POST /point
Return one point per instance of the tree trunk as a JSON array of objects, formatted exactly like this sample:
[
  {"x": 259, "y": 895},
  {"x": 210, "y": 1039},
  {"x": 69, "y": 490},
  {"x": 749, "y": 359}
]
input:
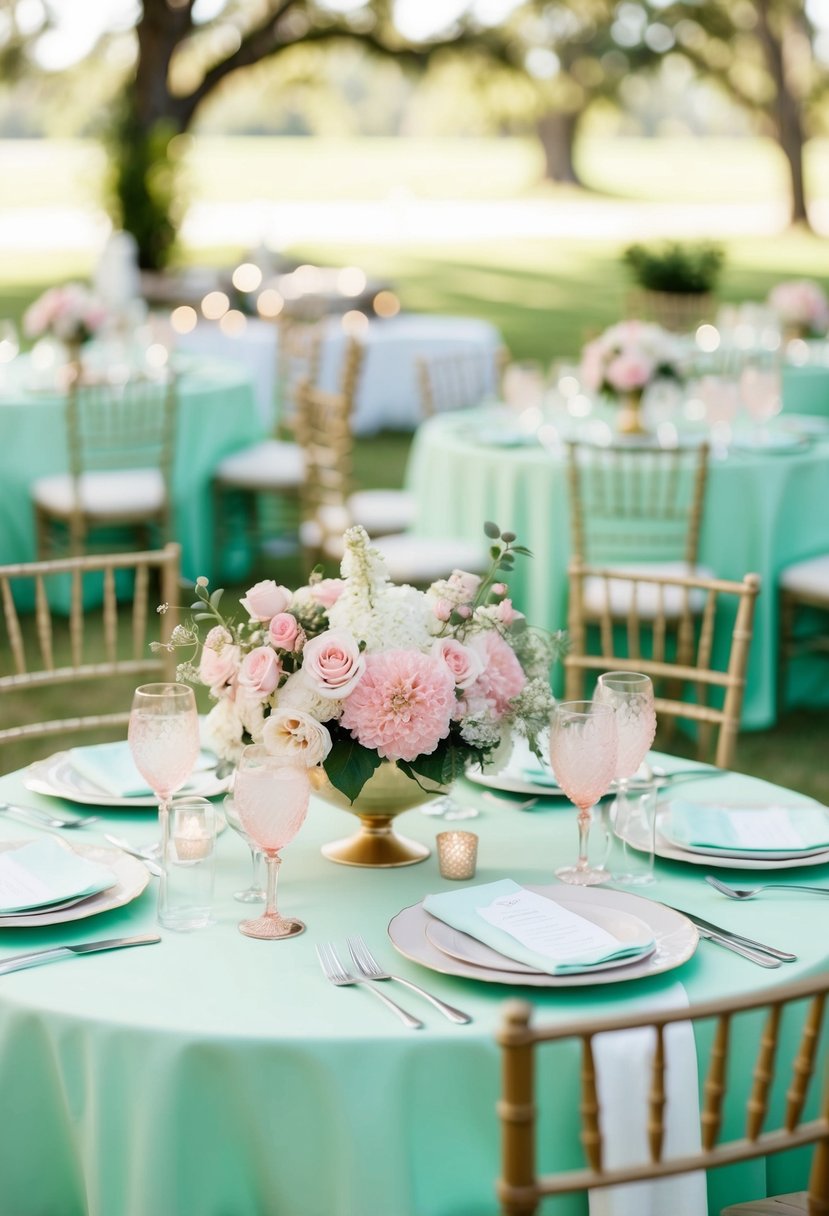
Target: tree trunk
[
  {"x": 557, "y": 131},
  {"x": 786, "y": 113}
]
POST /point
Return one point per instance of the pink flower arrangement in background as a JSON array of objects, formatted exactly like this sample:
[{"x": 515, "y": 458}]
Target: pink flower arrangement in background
[
  {"x": 628, "y": 357},
  {"x": 801, "y": 305},
  {"x": 347, "y": 673},
  {"x": 70, "y": 313}
]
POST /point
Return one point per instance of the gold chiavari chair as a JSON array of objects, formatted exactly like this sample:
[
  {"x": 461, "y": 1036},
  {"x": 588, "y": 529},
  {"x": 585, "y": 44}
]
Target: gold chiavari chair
[
  {"x": 120, "y": 443},
  {"x": 79, "y": 656},
  {"x": 669, "y": 633},
  {"x": 520, "y": 1186},
  {"x": 331, "y": 506},
  {"x": 459, "y": 379}
]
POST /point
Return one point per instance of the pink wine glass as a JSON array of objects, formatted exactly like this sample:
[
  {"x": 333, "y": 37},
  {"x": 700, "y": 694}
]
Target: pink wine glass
[
  {"x": 630, "y": 695},
  {"x": 583, "y": 746},
  {"x": 163, "y": 736},
  {"x": 271, "y": 798}
]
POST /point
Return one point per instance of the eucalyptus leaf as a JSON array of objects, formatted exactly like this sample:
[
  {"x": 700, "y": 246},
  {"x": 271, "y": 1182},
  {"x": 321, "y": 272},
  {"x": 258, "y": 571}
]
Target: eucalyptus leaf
[{"x": 491, "y": 530}]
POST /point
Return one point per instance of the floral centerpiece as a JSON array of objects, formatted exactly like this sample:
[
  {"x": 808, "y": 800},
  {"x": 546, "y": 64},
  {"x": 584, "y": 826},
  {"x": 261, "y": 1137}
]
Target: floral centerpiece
[
  {"x": 624, "y": 360},
  {"x": 802, "y": 307},
  {"x": 70, "y": 313},
  {"x": 348, "y": 674}
]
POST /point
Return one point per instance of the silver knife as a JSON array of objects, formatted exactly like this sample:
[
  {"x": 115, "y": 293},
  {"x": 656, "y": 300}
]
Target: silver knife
[
  {"x": 728, "y": 935},
  {"x": 762, "y": 958},
  {"x": 35, "y": 957}
]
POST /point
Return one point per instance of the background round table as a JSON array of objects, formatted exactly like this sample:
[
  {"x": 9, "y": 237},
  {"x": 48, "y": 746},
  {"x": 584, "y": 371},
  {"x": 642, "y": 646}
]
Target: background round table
[
  {"x": 213, "y": 1074},
  {"x": 763, "y": 510},
  {"x": 216, "y": 416}
]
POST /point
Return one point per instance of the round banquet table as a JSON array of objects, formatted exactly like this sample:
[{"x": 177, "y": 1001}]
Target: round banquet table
[
  {"x": 220, "y": 1076},
  {"x": 763, "y": 510},
  {"x": 216, "y": 416}
]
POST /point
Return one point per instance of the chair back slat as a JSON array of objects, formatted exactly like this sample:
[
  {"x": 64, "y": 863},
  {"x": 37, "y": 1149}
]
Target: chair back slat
[
  {"x": 658, "y": 636},
  {"x": 73, "y": 654},
  {"x": 43, "y": 620},
  {"x": 758, "y": 1103},
  {"x": 591, "y": 1136},
  {"x": 804, "y": 1063},
  {"x": 520, "y": 1187},
  {"x": 714, "y": 1090},
  {"x": 458, "y": 379},
  {"x": 656, "y": 1098}
]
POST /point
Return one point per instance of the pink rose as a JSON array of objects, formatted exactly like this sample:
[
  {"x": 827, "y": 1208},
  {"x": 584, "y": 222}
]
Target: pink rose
[
  {"x": 333, "y": 663},
  {"x": 502, "y": 677},
  {"x": 283, "y": 631},
  {"x": 265, "y": 600},
  {"x": 628, "y": 371},
  {"x": 463, "y": 662},
  {"x": 260, "y": 671},
  {"x": 506, "y": 614},
  {"x": 327, "y": 591},
  {"x": 220, "y": 660},
  {"x": 442, "y": 610},
  {"x": 499, "y": 588}
]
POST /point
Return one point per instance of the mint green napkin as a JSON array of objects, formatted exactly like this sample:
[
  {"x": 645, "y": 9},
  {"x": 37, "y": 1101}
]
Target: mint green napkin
[
  {"x": 111, "y": 768},
  {"x": 45, "y": 872},
  {"x": 756, "y": 829},
  {"x": 575, "y": 945}
]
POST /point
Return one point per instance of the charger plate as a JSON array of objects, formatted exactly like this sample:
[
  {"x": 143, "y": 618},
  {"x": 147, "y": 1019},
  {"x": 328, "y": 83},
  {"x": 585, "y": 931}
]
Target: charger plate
[
  {"x": 664, "y": 848},
  {"x": 675, "y": 936},
  {"x": 57, "y": 777},
  {"x": 131, "y": 876}
]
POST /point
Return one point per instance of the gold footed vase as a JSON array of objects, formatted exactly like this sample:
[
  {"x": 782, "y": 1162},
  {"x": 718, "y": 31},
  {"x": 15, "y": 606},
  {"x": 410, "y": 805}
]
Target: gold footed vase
[
  {"x": 387, "y": 793},
  {"x": 629, "y": 419}
]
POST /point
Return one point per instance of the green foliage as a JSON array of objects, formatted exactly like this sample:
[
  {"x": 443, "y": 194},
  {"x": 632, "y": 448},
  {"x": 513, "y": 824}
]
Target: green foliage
[
  {"x": 349, "y": 765},
  {"x": 143, "y": 185},
  {"x": 675, "y": 268}
]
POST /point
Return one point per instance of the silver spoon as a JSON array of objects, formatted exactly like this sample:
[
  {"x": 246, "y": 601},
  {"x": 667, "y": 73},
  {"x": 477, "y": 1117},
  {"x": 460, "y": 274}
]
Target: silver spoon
[
  {"x": 125, "y": 847},
  {"x": 748, "y": 892},
  {"x": 35, "y": 815}
]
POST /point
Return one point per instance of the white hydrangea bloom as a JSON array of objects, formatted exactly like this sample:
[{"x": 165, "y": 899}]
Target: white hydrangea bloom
[
  {"x": 397, "y": 618},
  {"x": 223, "y": 730},
  {"x": 299, "y": 693},
  {"x": 362, "y": 564},
  {"x": 481, "y": 730}
]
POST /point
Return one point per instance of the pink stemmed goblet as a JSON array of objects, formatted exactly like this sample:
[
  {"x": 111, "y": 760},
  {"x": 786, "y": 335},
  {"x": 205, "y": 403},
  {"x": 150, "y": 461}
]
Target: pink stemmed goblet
[
  {"x": 163, "y": 735},
  {"x": 629, "y": 694},
  {"x": 271, "y": 798},
  {"x": 583, "y": 745}
]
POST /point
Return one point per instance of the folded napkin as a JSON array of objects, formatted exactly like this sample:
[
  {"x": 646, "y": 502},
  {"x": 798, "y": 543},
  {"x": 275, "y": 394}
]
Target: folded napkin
[
  {"x": 530, "y": 928},
  {"x": 46, "y": 872},
  {"x": 111, "y": 768},
  {"x": 755, "y": 829}
]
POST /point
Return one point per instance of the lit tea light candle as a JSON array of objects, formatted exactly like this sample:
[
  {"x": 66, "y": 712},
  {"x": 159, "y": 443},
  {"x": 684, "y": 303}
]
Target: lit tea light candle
[
  {"x": 457, "y": 854},
  {"x": 192, "y": 839}
]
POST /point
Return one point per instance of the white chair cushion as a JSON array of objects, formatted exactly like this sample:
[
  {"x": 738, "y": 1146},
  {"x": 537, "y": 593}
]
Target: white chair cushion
[
  {"x": 382, "y": 511},
  {"x": 810, "y": 577},
  {"x": 421, "y": 560},
  {"x": 105, "y": 495},
  {"x": 647, "y": 594},
  {"x": 272, "y": 464}
]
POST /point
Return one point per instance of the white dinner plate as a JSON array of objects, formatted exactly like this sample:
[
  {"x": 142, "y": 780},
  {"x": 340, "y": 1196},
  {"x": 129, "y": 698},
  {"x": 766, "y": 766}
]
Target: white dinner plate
[
  {"x": 675, "y": 936},
  {"x": 673, "y": 852},
  {"x": 806, "y": 424},
  {"x": 770, "y": 441},
  {"x": 621, "y": 925},
  {"x": 517, "y": 776},
  {"x": 664, "y": 814},
  {"x": 57, "y": 777},
  {"x": 132, "y": 877}
]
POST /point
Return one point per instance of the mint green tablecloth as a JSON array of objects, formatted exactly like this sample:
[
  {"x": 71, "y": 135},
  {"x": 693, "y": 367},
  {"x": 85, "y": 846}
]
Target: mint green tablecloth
[
  {"x": 216, "y": 415},
  {"x": 214, "y": 1075},
  {"x": 762, "y": 512},
  {"x": 806, "y": 389}
]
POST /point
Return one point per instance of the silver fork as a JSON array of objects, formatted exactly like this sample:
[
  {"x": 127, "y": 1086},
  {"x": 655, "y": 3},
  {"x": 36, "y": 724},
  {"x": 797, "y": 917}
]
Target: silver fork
[
  {"x": 367, "y": 965},
  {"x": 748, "y": 892},
  {"x": 337, "y": 974},
  {"x": 35, "y": 815}
]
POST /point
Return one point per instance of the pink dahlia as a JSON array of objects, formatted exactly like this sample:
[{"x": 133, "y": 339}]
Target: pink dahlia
[
  {"x": 403, "y": 705},
  {"x": 503, "y": 676}
]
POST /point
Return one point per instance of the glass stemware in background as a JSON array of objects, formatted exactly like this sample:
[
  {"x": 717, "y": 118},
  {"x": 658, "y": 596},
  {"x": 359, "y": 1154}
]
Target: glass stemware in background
[
  {"x": 9, "y": 348},
  {"x": 254, "y": 893},
  {"x": 629, "y": 694},
  {"x": 720, "y": 397},
  {"x": 583, "y": 745},
  {"x": 164, "y": 740},
  {"x": 271, "y": 798},
  {"x": 524, "y": 384},
  {"x": 761, "y": 393}
]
